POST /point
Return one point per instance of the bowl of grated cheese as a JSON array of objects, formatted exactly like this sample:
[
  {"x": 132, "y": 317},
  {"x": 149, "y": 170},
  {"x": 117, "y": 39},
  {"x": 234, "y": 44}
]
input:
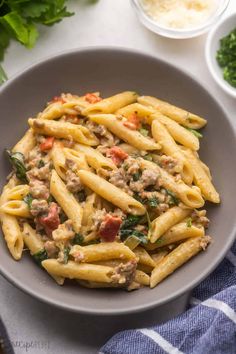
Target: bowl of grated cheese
[{"x": 179, "y": 18}]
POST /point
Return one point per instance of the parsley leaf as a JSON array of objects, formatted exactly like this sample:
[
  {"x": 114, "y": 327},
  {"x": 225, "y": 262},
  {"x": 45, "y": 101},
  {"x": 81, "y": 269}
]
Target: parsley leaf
[
  {"x": 173, "y": 199},
  {"x": 17, "y": 160}
]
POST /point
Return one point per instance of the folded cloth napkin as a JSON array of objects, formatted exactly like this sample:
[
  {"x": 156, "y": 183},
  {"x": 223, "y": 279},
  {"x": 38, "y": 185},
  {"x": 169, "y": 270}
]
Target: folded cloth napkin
[
  {"x": 207, "y": 327},
  {"x": 5, "y": 344}
]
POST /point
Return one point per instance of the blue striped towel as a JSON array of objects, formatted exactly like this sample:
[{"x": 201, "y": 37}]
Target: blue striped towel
[{"x": 207, "y": 327}]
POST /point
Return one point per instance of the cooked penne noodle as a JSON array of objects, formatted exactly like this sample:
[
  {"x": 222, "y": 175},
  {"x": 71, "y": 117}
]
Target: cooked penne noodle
[
  {"x": 189, "y": 196},
  {"x": 143, "y": 257},
  {"x": 26, "y": 144},
  {"x": 157, "y": 257},
  {"x": 177, "y": 257},
  {"x": 17, "y": 192},
  {"x": 166, "y": 220},
  {"x": 111, "y": 193},
  {"x": 73, "y": 270},
  {"x": 78, "y": 158},
  {"x": 10, "y": 226},
  {"x": 94, "y": 158},
  {"x": 111, "y": 104},
  {"x": 132, "y": 137},
  {"x": 180, "y": 115},
  {"x": 16, "y": 208},
  {"x": 102, "y": 251},
  {"x": 31, "y": 239},
  {"x": 142, "y": 278},
  {"x": 66, "y": 200},
  {"x": 201, "y": 178},
  {"x": 59, "y": 160},
  {"x": 65, "y": 130},
  {"x": 170, "y": 148},
  {"x": 54, "y": 110},
  {"x": 178, "y": 233}
]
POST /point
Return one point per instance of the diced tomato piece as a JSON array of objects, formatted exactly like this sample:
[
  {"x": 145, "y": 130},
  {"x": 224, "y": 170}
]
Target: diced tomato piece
[
  {"x": 110, "y": 227},
  {"x": 52, "y": 220},
  {"x": 57, "y": 99},
  {"x": 92, "y": 98},
  {"x": 117, "y": 155},
  {"x": 133, "y": 122},
  {"x": 47, "y": 144}
]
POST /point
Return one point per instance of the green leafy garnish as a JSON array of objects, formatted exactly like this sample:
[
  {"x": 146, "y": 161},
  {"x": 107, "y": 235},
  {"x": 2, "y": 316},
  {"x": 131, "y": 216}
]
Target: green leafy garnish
[
  {"x": 153, "y": 202},
  {"x": 81, "y": 196},
  {"x": 124, "y": 234},
  {"x": 66, "y": 252},
  {"x": 136, "y": 176},
  {"x": 18, "y": 163},
  {"x": 40, "y": 256},
  {"x": 62, "y": 217},
  {"x": 93, "y": 242},
  {"x": 130, "y": 221},
  {"x": 28, "y": 200},
  {"x": 148, "y": 157},
  {"x": 189, "y": 222},
  {"x": 144, "y": 131},
  {"x": 195, "y": 132},
  {"x": 138, "y": 198},
  {"x": 226, "y": 57},
  {"x": 41, "y": 163},
  {"x": 173, "y": 199},
  {"x": 78, "y": 239},
  {"x": 51, "y": 199}
]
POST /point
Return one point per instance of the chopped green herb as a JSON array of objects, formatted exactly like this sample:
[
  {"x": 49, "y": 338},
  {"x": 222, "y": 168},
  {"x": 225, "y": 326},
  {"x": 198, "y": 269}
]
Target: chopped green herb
[
  {"x": 41, "y": 163},
  {"x": 226, "y": 57},
  {"x": 66, "y": 252},
  {"x": 92, "y": 242},
  {"x": 124, "y": 234},
  {"x": 130, "y": 221},
  {"x": 136, "y": 176},
  {"x": 28, "y": 200},
  {"x": 50, "y": 199},
  {"x": 195, "y": 132},
  {"x": 144, "y": 131},
  {"x": 18, "y": 163},
  {"x": 148, "y": 157},
  {"x": 189, "y": 222},
  {"x": 40, "y": 256},
  {"x": 78, "y": 239},
  {"x": 173, "y": 199},
  {"x": 62, "y": 217},
  {"x": 153, "y": 202},
  {"x": 138, "y": 198},
  {"x": 159, "y": 241},
  {"x": 81, "y": 196}
]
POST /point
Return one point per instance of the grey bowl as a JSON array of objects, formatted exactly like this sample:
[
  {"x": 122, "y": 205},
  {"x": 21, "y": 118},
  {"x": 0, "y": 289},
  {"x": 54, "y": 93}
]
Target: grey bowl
[{"x": 112, "y": 70}]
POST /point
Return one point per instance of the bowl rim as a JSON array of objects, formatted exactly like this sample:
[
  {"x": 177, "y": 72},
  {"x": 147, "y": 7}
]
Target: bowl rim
[
  {"x": 210, "y": 57},
  {"x": 189, "y": 286},
  {"x": 178, "y": 33}
]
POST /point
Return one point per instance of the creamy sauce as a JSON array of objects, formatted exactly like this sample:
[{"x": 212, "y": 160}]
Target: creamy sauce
[{"x": 179, "y": 14}]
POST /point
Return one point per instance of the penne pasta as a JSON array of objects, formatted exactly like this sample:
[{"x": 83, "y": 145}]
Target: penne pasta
[
  {"x": 132, "y": 137},
  {"x": 31, "y": 239},
  {"x": 16, "y": 208},
  {"x": 143, "y": 257},
  {"x": 111, "y": 193},
  {"x": 180, "y": 115},
  {"x": 170, "y": 148},
  {"x": 111, "y": 104},
  {"x": 64, "y": 130},
  {"x": 26, "y": 144},
  {"x": 166, "y": 220},
  {"x": 101, "y": 252},
  {"x": 66, "y": 200},
  {"x": 177, "y": 257}
]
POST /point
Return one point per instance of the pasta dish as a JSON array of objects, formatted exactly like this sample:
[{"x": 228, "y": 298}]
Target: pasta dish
[{"x": 108, "y": 192}]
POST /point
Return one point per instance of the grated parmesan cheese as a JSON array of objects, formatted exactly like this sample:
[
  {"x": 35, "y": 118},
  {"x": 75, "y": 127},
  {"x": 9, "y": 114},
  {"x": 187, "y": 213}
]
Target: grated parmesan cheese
[{"x": 179, "y": 13}]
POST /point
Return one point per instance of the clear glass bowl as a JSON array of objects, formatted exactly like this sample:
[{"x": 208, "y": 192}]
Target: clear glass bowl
[{"x": 175, "y": 32}]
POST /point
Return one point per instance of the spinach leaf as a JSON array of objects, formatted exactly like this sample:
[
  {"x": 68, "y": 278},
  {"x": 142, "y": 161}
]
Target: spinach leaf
[
  {"x": 153, "y": 202},
  {"x": 18, "y": 163},
  {"x": 78, "y": 239},
  {"x": 124, "y": 234},
  {"x": 130, "y": 221},
  {"x": 41, "y": 163},
  {"x": 40, "y": 256},
  {"x": 81, "y": 196},
  {"x": 136, "y": 176},
  {"x": 28, "y": 200},
  {"x": 173, "y": 199}
]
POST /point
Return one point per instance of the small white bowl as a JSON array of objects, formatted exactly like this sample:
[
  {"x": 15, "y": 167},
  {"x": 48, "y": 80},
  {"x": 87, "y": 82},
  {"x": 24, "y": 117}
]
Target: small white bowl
[
  {"x": 222, "y": 29},
  {"x": 175, "y": 32}
]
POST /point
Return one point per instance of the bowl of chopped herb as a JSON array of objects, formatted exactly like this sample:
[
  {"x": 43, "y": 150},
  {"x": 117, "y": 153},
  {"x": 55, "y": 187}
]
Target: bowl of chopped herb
[{"x": 221, "y": 54}]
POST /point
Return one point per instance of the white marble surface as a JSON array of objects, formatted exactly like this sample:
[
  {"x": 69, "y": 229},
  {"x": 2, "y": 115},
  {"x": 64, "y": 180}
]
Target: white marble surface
[{"x": 35, "y": 327}]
